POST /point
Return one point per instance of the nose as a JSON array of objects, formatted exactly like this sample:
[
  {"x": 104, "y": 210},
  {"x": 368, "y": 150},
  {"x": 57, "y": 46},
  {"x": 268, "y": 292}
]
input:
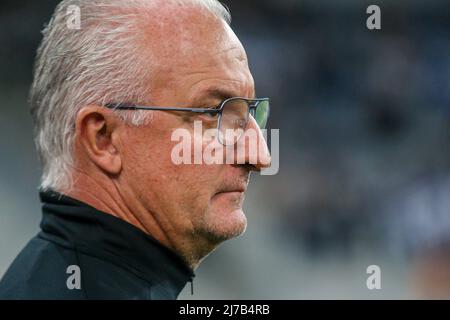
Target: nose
[{"x": 252, "y": 147}]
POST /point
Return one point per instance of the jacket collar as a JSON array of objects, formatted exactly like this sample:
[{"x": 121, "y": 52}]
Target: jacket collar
[{"x": 77, "y": 225}]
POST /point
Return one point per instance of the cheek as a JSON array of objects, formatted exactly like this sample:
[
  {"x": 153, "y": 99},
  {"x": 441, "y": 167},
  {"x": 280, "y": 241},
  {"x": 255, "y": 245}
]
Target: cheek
[
  {"x": 181, "y": 186},
  {"x": 164, "y": 186},
  {"x": 196, "y": 184}
]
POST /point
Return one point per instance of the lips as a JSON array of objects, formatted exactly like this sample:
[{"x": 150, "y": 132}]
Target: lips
[
  {"x": 233, "y": 188},
  {"x": 236, "y": 183}
]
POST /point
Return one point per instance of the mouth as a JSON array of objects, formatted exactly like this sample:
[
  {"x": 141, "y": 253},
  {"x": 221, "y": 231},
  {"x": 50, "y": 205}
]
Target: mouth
[
  {"x": 237, "y": 185},
  {"x": 231, "y": 195},
  {"x": 233, "y": 189}
]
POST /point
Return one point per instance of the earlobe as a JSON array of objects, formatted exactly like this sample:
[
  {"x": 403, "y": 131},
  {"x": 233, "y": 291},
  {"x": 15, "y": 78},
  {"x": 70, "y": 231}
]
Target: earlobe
[{"x": 95, "y": 129}]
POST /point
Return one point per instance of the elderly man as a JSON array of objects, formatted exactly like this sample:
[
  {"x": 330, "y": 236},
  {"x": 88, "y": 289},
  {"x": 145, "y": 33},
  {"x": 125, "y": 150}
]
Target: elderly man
[{"x": 122, "y": 219}]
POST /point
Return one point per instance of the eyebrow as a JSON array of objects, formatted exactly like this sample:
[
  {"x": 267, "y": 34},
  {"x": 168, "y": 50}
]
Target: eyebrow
[{"x": 219, "y": 94}]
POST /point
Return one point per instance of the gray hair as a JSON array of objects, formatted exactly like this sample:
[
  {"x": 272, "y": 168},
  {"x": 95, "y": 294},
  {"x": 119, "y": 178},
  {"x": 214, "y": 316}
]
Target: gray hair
[{"x": 100, "y": 62}]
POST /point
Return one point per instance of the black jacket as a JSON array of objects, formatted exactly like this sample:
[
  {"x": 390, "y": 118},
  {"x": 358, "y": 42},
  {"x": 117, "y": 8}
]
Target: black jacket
[{"x": 115, "y": 260}]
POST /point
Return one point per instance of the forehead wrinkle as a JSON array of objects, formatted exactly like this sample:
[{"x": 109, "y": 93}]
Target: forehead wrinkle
[
  {"x": 220, "y": 92},
  {"x": 230, "y": 74}
]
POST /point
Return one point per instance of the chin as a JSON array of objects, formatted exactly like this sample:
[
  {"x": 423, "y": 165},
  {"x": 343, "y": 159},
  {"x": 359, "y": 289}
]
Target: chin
[{"x": 224, "y": 224}]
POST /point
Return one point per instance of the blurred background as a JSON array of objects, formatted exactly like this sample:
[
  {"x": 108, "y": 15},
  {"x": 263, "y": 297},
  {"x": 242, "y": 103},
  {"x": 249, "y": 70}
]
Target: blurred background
[{"x": 364, "y": 119}]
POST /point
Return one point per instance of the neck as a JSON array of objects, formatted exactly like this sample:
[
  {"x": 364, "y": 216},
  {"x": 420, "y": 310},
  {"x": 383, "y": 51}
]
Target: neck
[{"x": 110, "y": 199}]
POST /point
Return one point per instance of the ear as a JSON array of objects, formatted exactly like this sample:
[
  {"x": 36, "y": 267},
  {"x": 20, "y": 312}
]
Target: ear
[{"x": 97, "y": 131}]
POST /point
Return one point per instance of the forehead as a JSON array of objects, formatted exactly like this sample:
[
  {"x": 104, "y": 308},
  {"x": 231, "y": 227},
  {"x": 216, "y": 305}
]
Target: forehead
[{"x": 194, "y": 51}]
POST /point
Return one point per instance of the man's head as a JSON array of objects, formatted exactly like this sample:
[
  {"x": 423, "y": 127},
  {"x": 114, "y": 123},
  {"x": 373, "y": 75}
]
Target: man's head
[{"x": 145, "y": 52}]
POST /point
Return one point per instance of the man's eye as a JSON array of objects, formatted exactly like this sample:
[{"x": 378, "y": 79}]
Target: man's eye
[{"x": 211, "y": 115}]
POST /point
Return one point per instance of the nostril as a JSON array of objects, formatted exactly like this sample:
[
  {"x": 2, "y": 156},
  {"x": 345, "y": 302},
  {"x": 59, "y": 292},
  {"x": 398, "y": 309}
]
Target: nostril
[{"x": 248, "y": 167}]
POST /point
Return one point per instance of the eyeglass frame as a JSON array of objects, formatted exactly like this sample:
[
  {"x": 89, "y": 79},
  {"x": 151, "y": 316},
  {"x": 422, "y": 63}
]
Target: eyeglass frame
[{"x": 252, "y": 104}]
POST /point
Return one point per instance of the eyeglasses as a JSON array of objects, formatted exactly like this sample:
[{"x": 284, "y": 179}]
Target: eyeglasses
[{"x": 232, "y": 115}]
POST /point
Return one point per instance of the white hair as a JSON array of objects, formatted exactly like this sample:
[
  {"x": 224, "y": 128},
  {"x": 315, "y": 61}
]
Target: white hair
[{"x": 101, "y": 62}]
